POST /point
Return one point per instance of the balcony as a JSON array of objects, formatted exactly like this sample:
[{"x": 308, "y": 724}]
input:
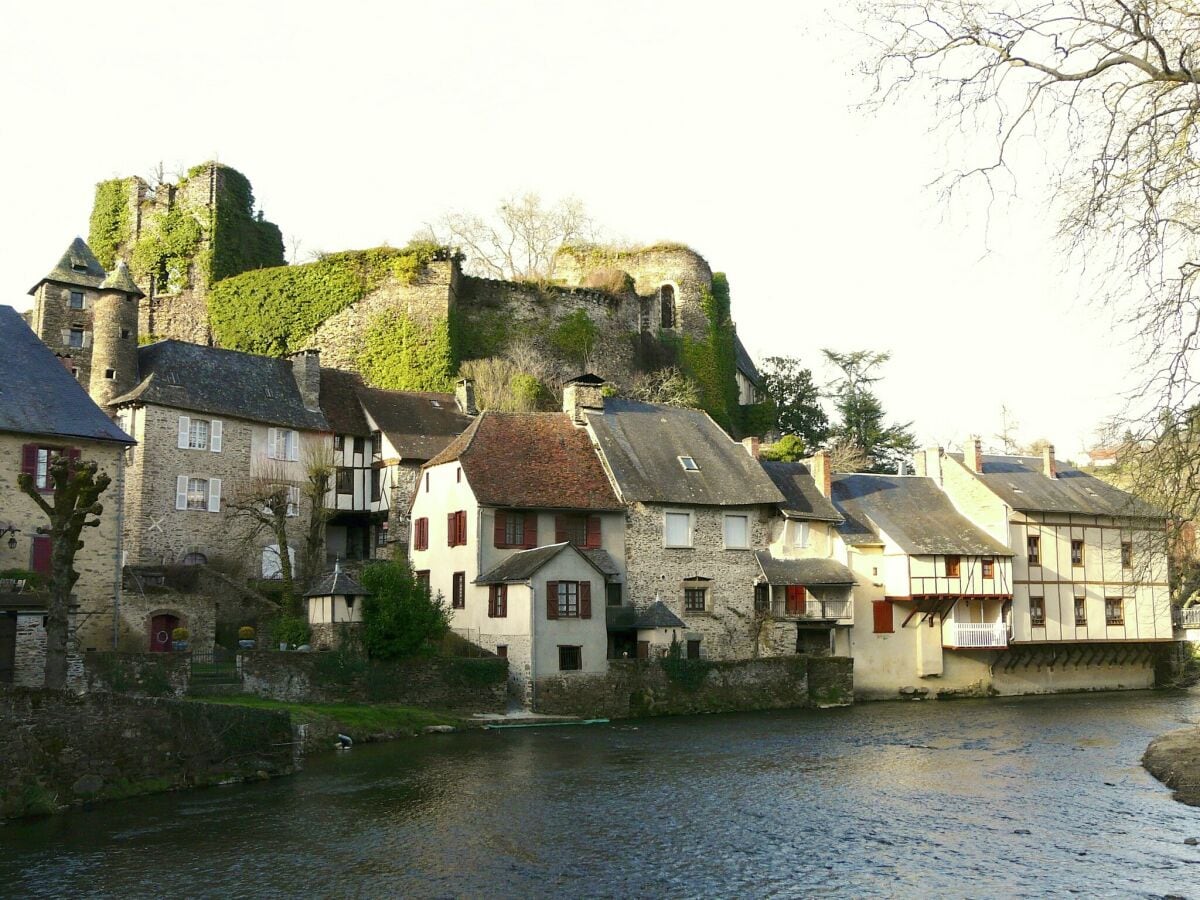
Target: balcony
[
  {"x": 981, "y": 635},
  {"x": 813, "y": 609},
  {"x": 1188, "y": 617}
]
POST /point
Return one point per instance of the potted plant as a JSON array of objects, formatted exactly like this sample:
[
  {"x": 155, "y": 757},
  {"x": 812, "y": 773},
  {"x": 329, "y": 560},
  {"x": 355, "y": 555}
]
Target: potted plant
[
  {"x": 246, "y": 637},
  {"x": 179, "y": 638}
]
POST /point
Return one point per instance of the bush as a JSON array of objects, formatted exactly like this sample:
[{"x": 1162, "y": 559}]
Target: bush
[
  {"x": 246, "y": 633},
  {"x": 291, "y": 630},
  {"x": 789, "y": 448},
  {"x": 179, "y": 634},
  {"x": 400, "y": 617},
  {"x": 33, "y": 581}
]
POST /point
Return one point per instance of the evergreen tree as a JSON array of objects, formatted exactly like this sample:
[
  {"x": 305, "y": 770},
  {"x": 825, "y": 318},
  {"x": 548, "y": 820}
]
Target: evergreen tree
[
  {"x": 862, "y": 419},
  {"x": 797, "y": 399}
]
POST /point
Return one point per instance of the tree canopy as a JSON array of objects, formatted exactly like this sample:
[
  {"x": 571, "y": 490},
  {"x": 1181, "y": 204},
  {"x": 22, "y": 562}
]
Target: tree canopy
[
  {"x": 797, "y": 399},
  {"x": 861, "y": 418}
]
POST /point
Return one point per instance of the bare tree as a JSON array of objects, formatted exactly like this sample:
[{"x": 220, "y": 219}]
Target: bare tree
[
  {"x": 1007, "y": 436},
  {"x": 319, "y": 469},
  {"x": 847, "y": 456},
  {"x": 265, "y": 503},
  {"x": 75, "y": 505},
  {"x": 667, "y": 386}
]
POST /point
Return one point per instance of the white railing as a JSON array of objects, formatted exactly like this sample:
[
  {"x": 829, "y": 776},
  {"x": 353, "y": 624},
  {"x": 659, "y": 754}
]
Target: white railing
[
  {"x": 976, "y": 634},
  {"x": 1189, "y": 617}
]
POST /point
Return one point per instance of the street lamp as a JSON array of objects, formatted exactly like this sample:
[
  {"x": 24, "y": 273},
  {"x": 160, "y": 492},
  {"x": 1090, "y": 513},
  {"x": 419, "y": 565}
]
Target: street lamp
[{"x": 12, "y": 531}]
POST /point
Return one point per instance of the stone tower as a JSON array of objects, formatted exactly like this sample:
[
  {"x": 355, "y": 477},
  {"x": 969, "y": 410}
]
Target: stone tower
[
  {"x": 64, "y": 304},
  {"x": 114, "y": 336}
]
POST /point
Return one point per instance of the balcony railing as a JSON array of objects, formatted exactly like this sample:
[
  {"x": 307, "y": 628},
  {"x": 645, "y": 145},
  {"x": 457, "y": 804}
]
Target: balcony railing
[
  {"x": 812, "y": 609},
  {"x": 1188, "y": 618},
  {"x": 979, "y": 634}
]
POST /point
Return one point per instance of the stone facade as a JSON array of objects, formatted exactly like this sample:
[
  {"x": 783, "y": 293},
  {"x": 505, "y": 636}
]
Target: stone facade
[
  {"x": 53, "y": 320},
  {"x": 29, "y": 668},
  {"x": 139, "y": 674}
]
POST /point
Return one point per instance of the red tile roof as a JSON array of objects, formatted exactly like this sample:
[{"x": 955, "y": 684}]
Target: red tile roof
[{"x": 531, "y": 461}]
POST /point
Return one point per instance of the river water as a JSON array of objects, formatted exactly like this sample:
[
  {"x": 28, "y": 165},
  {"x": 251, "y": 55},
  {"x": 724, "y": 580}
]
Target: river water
[{"x": 1022, "y": 797}]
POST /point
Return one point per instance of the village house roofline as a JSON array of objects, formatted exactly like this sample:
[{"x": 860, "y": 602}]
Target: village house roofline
[
  {"x": 635, "y": 617},
  {"x": 419, "y": 424},
  {"x": 522, "y": 566},
  {"x": 912, "y": 511},
  {"x": 811, "y": 572},
  {"x": 39, "y": 397},
  {"x": 802, "y": 499}
]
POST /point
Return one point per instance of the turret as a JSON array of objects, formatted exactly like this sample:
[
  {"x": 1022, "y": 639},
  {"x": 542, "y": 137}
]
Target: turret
[{"x": 114, "y": 336}]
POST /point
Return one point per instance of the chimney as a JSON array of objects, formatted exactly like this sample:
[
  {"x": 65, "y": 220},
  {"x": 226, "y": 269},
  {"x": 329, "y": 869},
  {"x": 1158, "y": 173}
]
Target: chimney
[
  {"x": 306, "y": 369},
  {"x": 818, "y": 467},
  {"x": 973, "y": 454},
  {"x": 928, "y": 463},
  {"x": 1048, "y": 467},
  {"x": 581, "y": 394},
  {"x": 752, "y": 445},
  {"x": 464, "y": 396}
]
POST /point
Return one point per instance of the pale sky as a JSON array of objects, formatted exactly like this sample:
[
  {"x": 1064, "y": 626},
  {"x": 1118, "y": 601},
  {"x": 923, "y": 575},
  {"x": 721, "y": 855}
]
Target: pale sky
[{"x": 729, "y": 127}]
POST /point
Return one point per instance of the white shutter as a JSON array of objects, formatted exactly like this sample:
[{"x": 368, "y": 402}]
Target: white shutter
[
  {"x": 214, "y": 436},
  {"x": 214, "y": 495},
  {"x": 293, "y": 446},
  {"x": 66, "y": 336},
  {"x": 271, "y": 445},
  {"x": 87, "y": 339},
  {"x": 293, "y": 500},
  {"x": 181, "y": 492},
  {"x": 184, "y": 425}
]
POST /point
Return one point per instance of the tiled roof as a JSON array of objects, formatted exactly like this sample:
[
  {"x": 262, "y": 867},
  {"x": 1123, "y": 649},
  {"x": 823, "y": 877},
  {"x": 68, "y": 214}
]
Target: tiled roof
[
  {"x": 745, "y": 364},
  {"x": 77, "y": 266},
  {"x": 524, "y": 565},
  {"x": 222, "y": 383},
  {"x": 802, "y": 500},
  {"x": 912, "y": 511},
  {"x": 1020, "y": 482},
  {"x": 643, "y": 442},
  {"x": 530, "y": 461},
  {"x": 37, "y": 393},
  {"x": 419, "y": 424},
  {"x": 602, "y": 561},
  {"x": 808, "y": 572}
]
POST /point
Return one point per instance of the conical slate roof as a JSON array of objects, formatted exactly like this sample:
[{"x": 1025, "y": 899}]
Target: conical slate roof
[
  {"x": 78, "y": 265},
  {"x": 119, "y": 279},
  {"x": 337, "y": 582}
]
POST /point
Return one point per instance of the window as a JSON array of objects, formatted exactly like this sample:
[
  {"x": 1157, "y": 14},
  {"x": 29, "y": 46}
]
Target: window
[
  {"x": 458, "y": 590},
  {"x": 1033, "y": 545},
  {"x": 376, "y": 445},
  {"x": 497, "y": 601},
  {"x": 570, "y": 659},
  {"x": 1080, "y": 610},
  {"x": 76, "y": 301},
  {"x": 666, "y": 296},
  {"x": 1077, "y": 553},
  {"x": 376, "y": 482},
  {"x": 677, "y": 529},
  {"x": 693, "y": 649},
  {"x": 737, "y": 532},
  {"x": 1126, "y": 554},
  {"x": 197, "y": 493},
  {"x": 800, "y": 533},
  {"x": 510, "y": 529},
  {"x": 283, "y": 443},
  {"x": 1037, "y": 611},
  {"x": 456, "y": 529},
  {"x": 110, "y": 374},
  {"x": 988, "y": 567},
  {"x": 458, "y": 475},
  {"x": 612, "y": 593},
  {"x": 421, "y": 534},
  {"x": 125, "y": 333},
  {"x": 881, "y": 611},
  {"x": 35, "y": 461},
  {"x": 198, "y": 434},
  {"x": 582, "y": 531},
  {"x": 195, "y": 559},
  {"x": 272, "y": 561},
  {"x": 344, "y": 481},
  {"x": 381, "y": 534},
  {"x": 502, "y": 651},
  {"x": 952, "y": 564},
  {"x": 422, "y": 576},
  {"x": 358, "y": 445},
  {"x": 293, "y": 500},
  {"x": 568, "y": 599},
  {"x": 427, "y": 482},
  {"x": 695, "y": 599},
  {"x": 689, "y": 464},
  {"x": 339, "y": 441},
  {"x": 1114, "y": 611},
  {"x": 75, "y": 337}
]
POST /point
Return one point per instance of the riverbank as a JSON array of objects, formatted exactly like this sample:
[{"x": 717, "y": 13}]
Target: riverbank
[{"x": 1174, "y": 759}]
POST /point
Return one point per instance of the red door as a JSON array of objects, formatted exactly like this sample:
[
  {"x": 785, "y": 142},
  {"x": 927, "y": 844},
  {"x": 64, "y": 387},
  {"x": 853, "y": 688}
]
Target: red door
[
  {"x": 161, "y": 627},
  {"x": 41, "y": 554},
  {"x": 796, "y": 599}
]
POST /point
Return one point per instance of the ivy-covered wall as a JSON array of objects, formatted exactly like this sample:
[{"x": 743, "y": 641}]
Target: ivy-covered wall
[
  {"x": 712, "y": 360},
  {"x": 111, "y": 223}
]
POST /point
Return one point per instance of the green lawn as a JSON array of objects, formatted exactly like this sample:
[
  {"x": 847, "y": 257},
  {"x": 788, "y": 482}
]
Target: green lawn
[{"x": 360, "y": 717}]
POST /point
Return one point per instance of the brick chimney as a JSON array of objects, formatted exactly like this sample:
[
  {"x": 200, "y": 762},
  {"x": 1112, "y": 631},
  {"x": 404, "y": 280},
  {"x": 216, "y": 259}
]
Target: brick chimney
[
  {"x": 464, "y": 396},
  {"x": 822, "y": 474},
  {"x": 581, "y": 394},
  {"x": 1048, "y": 467},
  {"x": 973, "y": 454},
  {"x": 752, "y": 445},
  {"x": 306, "y": 369}
]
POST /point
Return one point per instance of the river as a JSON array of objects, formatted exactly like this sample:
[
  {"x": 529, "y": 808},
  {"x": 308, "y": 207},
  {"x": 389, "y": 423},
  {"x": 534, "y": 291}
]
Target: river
[{"x": 1020, "y": 797}]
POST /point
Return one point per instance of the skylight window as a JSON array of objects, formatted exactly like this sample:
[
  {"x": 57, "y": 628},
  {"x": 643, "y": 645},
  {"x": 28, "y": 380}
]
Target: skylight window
[{"x": 689, "y": 464}]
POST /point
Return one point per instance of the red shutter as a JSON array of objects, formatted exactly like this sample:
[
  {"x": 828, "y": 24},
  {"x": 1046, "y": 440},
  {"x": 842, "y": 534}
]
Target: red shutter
[
  {"x": 451, "y": 528},
  {"x": 530, "y": 537},
  {"x": 462, "y": 527},
  {"x": 585, "y": 599},
  {"x": 421, "y": 537},
  {"x": 593, "y": 532},
  {"x": 491, "y": 601},
  {"x": 40, "y": 562},
  {"x": 29, "y": 460},
  {"x": 498, "y": 531},
  {"x": 882, "y": 611},
  {"x": 560, "y": 530},
  {"x": 73, "y": 454},
  {"x": 551, "y": 599}
]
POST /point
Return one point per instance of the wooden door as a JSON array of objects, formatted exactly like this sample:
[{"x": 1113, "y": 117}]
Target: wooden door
[
  {"x": 8, "y": 647},
  {"x": 40, "y": 560},
  {"x": 797, "y": 599},
  {"x": 643, "y": 649},
  {"x": 161, "y": 627}
]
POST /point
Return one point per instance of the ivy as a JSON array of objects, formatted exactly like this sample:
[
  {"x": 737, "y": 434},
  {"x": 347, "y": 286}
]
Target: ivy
[
  {"x": 109, "y": 227},
  {"x": 575, "y": 337},
  {"x": 712, "y": 360},
  {"x": 166, "y": 249},
  {"x": 402, "y": 355},
  {"x": 241, "y": 241}
]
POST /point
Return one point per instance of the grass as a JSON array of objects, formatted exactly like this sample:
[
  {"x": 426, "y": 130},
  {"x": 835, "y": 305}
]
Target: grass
[{"x": 353, "y": 717}]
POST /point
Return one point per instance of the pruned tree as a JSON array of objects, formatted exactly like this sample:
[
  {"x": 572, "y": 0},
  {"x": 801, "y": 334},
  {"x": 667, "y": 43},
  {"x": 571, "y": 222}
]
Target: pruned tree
[
  {"x": 1007, "y": 436},
  {"x": 847, "y": 456},
  {"x": 319, "y": 470},
  {"x": 73, "y": 506},
  {"x": 266, "y": 502}
]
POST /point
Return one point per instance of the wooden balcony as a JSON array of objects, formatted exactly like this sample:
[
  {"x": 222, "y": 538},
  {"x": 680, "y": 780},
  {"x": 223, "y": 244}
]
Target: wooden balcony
[{"x": 981, "y": 635}]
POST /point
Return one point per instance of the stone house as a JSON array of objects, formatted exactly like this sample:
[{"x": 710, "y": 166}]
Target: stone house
[
  {"x": 45, "y": 412},
  {"x": 516, "y": 525}
]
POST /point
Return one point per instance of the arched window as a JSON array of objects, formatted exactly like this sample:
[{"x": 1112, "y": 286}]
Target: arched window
[
  {"x": 195, "y": 559},
  {"x": 666, "y": 295}
]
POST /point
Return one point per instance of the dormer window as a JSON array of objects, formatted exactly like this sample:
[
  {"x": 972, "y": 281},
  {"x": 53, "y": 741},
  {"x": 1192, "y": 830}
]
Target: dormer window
[
  {"x": 79, "y": 267},
  {"x": 689, "y": 464}
]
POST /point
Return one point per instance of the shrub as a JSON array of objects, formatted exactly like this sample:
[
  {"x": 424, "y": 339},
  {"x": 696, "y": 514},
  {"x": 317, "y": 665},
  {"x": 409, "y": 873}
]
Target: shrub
[
  {"x": 179, "y": 634},
  {"x": 400, "y": 617},
  {"x": 575, "y": 337},
  {"x": 291, "y": 630},
  {"x": 246, "y": 633},
  {"x": 789, "y": 448}
]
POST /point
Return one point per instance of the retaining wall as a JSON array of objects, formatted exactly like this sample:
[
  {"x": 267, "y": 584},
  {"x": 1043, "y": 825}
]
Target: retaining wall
[{"x": 139, "y": 674}]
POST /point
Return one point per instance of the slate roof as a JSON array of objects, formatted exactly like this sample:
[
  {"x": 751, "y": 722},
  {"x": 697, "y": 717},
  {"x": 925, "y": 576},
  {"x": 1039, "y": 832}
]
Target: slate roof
[
  {"x": 339, "y": 403},
  {"x": 1019, "y": 482},
  {"x": 119, "y": 279},
  {"x": 418, "y": 424},
  {"x": 642, "y": 443},
  {"x": 802, "y": 500},
  {"x": 530, "y": 461},
  {"x": 808, "y": 572},
  {"x": 37, "y": 393},
  {"x": 912, "y": 511},
  {"x": 223, "y": 383},
  {"x": 524, "y": 565},
  {"x": 337, "y": 582},
  {"x": 745, "y": 364},
  {"x": 89, "y": 274},
  {"x": 656, "y": 615},
  {"x": 602, "y": 561}
]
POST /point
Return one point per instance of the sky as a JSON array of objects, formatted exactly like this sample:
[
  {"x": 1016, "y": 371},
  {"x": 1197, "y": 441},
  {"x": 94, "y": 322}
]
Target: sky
[{"x": 733, "y": 128}]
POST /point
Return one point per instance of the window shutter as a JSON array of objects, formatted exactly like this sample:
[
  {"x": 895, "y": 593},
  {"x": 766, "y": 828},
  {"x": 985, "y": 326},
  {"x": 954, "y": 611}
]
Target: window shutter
[
  {"x": 66, "y": 337},
  {"x": 40, "y": 560},
  {"x": 593, "y": 532},
  {"x": 462, "y": 528},
  {"x": 491, "y": 601},
  {"x": 530, "y": 536},
  {"x": 29, "y": 460},
  {"x": 73, "y": 454},
  {"x": 498, "y": 531},
  {"x": 271, "y": 432},
  {"x": 181, "y": 492},
  {"x": 293, "y": 446},
  {"x": 501, "y": 601},
  {"x": 585, "y": 599},
  {"x": 560, "y": 530},
  {"x": 184, "y": 425},
  {"x": 551, "y": 599},
  {"x": 882, "y": 614},
  {"x": 214, "y": 495},
  {"x": 214, "y": 436},
  {"x": 451, "y": 528},
  {"x": 87, "y": 339}
]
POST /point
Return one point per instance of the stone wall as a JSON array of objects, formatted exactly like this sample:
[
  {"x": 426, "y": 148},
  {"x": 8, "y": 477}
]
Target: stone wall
[
  {"x": 478, "y": 685},
  {"x": 139, "y": 674},
  {"x": 29, "y": 668},
  {"x": 61, "y": 749},
  {"x": 675, "y": 687}
]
